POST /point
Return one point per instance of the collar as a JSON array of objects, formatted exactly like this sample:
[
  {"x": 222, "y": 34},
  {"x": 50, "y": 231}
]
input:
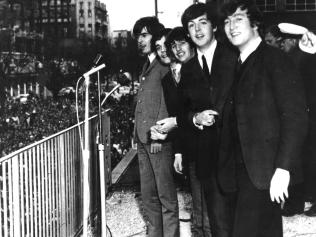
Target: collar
[
  {"x": 251, "y": 47},
  {"x": 209, "y": 54},
  {"x": 151, "y": 57},
  {"x": 176, "y": 66}
]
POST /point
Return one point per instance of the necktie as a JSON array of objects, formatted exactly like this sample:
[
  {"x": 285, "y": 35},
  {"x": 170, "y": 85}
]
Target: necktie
[
  {"x": 206, "y": 71},
  {"x": 238, "y": 66},
  {"x": 146, "y": 66}
]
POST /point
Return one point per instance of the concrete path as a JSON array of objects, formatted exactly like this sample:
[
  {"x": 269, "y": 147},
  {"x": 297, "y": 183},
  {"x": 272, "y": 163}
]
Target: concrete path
[{"x": 125, "y": 219}]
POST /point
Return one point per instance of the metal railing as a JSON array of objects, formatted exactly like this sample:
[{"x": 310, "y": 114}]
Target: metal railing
[
  {"x": 41, "y": 185},
  {"x": 24, "y": 88}
]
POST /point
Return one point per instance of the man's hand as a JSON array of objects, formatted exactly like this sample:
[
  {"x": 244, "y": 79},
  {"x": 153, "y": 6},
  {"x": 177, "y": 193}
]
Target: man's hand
[
  {"x": 155, "y": 147},
  {"x": 177, "y": 164},
  {"x": 308, "y": 42},
  {"x": 279, "y": 185},
  {"x": 205, "y": 118},
  {"x": 155, "y": 133},
  {"x": 167, "y": 124}
]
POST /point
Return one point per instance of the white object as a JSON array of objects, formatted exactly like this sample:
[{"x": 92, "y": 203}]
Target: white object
[
  {"x": 306, "y": 49},
  {"x": 93, "y": 70},
  {"x": 293, "y": 29}
]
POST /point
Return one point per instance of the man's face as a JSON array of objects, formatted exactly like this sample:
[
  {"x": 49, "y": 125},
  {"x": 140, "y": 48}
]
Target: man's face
[
  {"x": 182, "y": 50},
  {"x": 143, "y": 42},
  {"x": 238, "y": 29},
  {"x": 201, "y": 32},
  {"x": 162, "y": 50},
  {"x": 288, "y": 44},
  {"x": 272, "y": 40}
]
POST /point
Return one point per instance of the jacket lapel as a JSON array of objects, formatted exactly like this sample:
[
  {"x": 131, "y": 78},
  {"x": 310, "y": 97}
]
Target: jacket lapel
[{"x": 246, "y": 81}]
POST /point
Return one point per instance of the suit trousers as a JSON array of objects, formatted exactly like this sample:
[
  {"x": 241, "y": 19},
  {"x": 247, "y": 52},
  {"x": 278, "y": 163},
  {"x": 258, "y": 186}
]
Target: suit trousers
[
  {"x": 255, "y": 214},
  {"x": 200, "y": 222},
  {"x": 219, "y": 207},
  {"x": 158, "y": 191}
]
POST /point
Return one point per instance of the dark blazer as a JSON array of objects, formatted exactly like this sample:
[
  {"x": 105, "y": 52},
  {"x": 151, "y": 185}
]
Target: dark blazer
[
  {"x": 171, "y": 95},
  {"x": 150, "y": 105},
  {"x": 198, "y": 93},
  {"x": 271, "y": 114}
]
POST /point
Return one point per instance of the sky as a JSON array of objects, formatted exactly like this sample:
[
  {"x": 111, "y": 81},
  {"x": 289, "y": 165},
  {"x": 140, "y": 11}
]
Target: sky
[{"x": 124, "y": 13}]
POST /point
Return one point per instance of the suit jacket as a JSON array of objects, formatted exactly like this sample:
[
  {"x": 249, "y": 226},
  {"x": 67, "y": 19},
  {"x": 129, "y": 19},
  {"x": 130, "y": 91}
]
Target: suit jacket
[
  {"x": 150, "y": 106},
  {"x": 171, "y": 95},
  {"x": 271, "y": 115},
  {"x": 198, "y": 93}
]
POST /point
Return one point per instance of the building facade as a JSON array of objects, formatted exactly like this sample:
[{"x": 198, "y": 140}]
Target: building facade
[
  {"x": 56, "y": 19},
  {"x": 301, "y": 12}
]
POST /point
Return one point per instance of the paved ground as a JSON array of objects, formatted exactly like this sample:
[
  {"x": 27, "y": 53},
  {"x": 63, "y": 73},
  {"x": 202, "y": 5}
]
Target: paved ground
[{"x": 124, "y": 217}]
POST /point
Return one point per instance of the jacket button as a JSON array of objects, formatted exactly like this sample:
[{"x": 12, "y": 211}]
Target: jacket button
[{"x": 143, "y": 78}]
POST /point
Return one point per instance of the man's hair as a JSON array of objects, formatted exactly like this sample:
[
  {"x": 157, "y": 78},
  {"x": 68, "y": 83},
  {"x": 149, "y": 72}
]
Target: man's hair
[
  {"x": 197, "y": 10},
  {"x": 177, "y": 34},
  {"x": 153, "y": 26},
  {"x": 164, "y": 32},
  {"x": 254, "y": 14}
]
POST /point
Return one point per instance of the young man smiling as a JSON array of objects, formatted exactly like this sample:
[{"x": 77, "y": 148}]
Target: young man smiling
[
  {"x": 205, "y": 82},
  {"x": 264, "y": 127},
  {"x": 155, "y": 157}
]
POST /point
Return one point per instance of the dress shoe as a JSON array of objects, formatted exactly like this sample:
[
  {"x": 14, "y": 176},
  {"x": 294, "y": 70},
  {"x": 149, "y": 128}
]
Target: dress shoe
[
  {"x": 311, "y": 211},
  {"x": 287, "y": 212}
]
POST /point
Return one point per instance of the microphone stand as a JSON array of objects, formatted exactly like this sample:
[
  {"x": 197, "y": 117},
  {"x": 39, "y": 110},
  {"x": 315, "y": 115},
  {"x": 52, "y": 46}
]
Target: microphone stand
[
  {"x": 86, "y": 152},
  {"x": 101, "y": 164}
]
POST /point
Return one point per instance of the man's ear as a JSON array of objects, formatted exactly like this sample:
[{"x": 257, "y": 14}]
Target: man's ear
[{"x": 215, "y": 29}]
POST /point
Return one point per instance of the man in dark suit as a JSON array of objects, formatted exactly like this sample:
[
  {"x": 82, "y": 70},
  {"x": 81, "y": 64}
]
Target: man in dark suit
[
  {"x": 264, "y": 126},
  {"x": 155, "y": 158},
  {"x": 204, "y": 85},
  {"x": 305, "y": 63}
]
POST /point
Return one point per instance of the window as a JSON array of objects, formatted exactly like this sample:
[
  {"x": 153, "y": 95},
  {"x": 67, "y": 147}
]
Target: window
[
  {"x": 267, "y": 5},
  {"x": 300, "y": 5}
]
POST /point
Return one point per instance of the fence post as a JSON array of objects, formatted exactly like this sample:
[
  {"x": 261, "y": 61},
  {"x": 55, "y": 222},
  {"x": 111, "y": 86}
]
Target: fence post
[
  {"x": 62, "y": 187},
  {"x": 16, "y": 197}
]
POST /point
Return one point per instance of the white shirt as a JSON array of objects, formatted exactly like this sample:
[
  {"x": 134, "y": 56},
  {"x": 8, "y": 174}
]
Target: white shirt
[
  {"x": 175, "y": 69},
  {"x": 152, "y": 57},
  {"x": 208, "y": 54},
  {"x": 252, "y": 46}
]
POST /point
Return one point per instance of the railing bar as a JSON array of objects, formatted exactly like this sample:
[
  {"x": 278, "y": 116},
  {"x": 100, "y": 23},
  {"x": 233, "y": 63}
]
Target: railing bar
[
  {"x": 5, "y": 203},
  {"x": 31, "y": 167},
  {"x": 40, "y": 186},
  {"x": 71, "y": 204},
  {"x": 10, "y": 197},
  {"x": 62, "y": 188},
  {"x": 66, "y": 183},
  {"x": 22, "y": 171},
  {"x": 35, "y": 192},
  {"x": 46, "y": 197},
  {"x": 53, "y": 188},
  {"x": 57, "y": 188},
  {"x": 50, "y": 196},
  {"x": 70, "y": 209},
  {"x": 27, "y": 192},
  {"x": 1, "y": 196},
  {"x": 81, "y": 181}
]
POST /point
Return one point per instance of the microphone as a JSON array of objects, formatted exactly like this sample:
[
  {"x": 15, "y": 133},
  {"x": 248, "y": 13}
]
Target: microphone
[
  {"x": 96, "y": 60},
  {"x": 93, "y": 70}
]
